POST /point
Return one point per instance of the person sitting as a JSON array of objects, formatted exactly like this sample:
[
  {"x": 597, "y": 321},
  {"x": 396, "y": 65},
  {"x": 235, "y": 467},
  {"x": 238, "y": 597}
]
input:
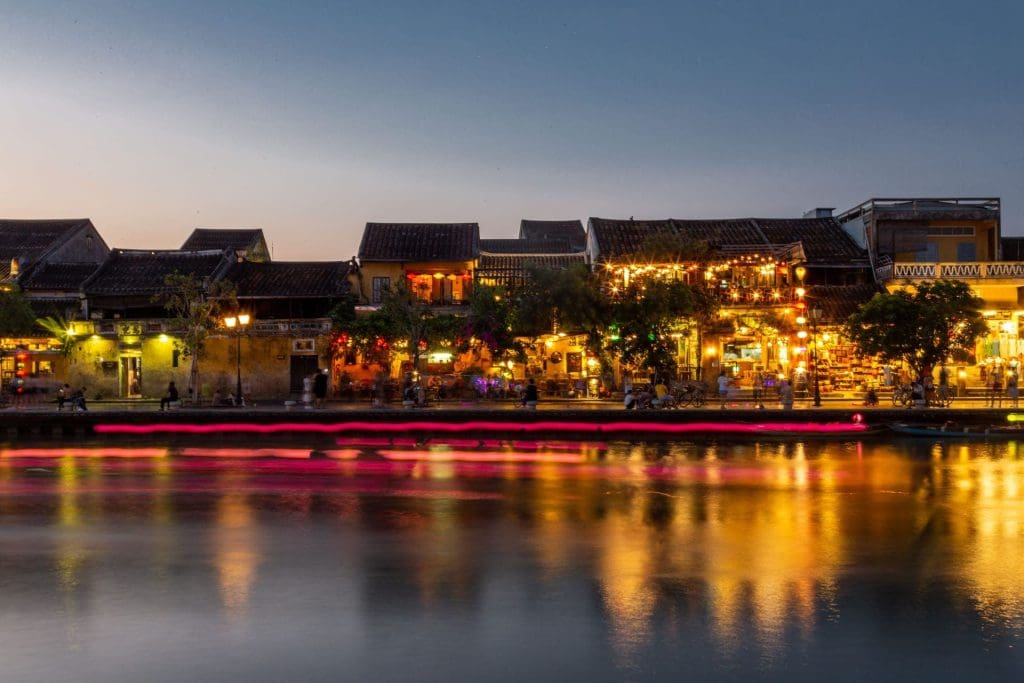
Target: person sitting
[
  {"x": 629, "y": 400},
  {"x": 871, "y": 398},
  {"x": 662, "y": 397},
  {"x": 170, "y": 398},
  {"x": 78, "y": 400}
]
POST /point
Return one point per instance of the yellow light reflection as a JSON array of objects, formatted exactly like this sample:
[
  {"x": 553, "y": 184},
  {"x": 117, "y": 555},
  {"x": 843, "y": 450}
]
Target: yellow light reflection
[{"x": 236, "y": 554}]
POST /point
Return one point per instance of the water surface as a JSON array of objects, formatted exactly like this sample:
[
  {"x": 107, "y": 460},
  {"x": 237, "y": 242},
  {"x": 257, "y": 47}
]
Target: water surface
[{"x": 465, "y": 560}]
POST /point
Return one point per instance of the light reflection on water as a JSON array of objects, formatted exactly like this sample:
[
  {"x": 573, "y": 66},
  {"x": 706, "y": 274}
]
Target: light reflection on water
[{"x": 513, "y": 560}]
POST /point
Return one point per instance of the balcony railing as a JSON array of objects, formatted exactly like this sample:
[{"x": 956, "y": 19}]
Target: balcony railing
[{"x": 991, "y": 270}]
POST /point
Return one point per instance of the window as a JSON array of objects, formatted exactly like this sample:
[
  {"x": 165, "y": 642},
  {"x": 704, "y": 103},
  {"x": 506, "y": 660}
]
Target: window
[
  {"x": 380, "y": 286},
  {"x": 175, "y": 358},
  {"x": 959, "y": 231}
]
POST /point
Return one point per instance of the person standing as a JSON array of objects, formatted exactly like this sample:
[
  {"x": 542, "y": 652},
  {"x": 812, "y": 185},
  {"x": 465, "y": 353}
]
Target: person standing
[
  {"x": 170, "y": 397},
  {"x": 997, "y": 390},
  {"x": 320, "y": 389},
  {"x": 531, "y": 395},
  {"x": 63, "y": 395},
  {"x": 1012, "y": 391},
  {"x": 629, "y": 400},
  {"x": 786, "y": 395},
  {"x": 723, "y": 388}
]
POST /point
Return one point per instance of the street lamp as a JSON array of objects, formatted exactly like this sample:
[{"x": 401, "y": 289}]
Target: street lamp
[
  {"x": 237, "y": 323},
  {"x": 815, "y": 316}
]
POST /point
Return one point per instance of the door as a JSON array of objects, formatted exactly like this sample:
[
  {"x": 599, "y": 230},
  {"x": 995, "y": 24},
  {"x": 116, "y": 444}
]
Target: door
[
  {"x": 301, "y": 367},
  {"x": 130, "y": 380}
]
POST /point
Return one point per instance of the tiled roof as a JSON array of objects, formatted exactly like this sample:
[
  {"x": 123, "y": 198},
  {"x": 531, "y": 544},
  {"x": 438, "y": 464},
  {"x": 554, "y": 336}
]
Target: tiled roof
[
  {"x": 618, "y": 238},
  {"x": 526, "y": 246},
  {"x": 289, "y": 279},
  {"x": 839, "y": 302},
  {"x": 822, "y": 239},
  {"x": 31, "y": 239},
  {"x": 134, "y": 273},
  {"x": 509, "y": 262},
  {"x": 236, "y": 239},
  {"x": 58, "y": 276},
  {"x": 406, "y": 242},
  {"x": 569, "y": 232}
]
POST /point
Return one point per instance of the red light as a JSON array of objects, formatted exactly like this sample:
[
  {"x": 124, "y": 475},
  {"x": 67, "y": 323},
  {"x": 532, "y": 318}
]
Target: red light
[
  {"x": 22, "y": 357},
  {"x": 486, "y": 426}
]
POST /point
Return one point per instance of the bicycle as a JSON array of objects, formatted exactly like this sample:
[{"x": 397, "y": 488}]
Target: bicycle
[
  {"x": 902, "y": 396},
  {"x": 942, "y": 397},
  {"x": 691, "y": 394}
]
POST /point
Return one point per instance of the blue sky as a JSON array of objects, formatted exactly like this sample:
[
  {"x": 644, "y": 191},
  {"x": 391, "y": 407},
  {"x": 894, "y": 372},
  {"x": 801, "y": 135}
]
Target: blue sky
[{"x": 310, "y": 119}]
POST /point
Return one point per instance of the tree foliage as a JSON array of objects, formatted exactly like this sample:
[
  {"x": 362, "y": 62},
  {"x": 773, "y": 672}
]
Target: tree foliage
[
  {"x": 490, "y": 320},
  {"x": 646, "y": 316},
  {"x": 564, "y": 299},
  {"x": 16, "y": 315},
  {"x": 920, "y": 328},
  {"x": 195, "y": 305},
  {"x": 403, "y": 320}
]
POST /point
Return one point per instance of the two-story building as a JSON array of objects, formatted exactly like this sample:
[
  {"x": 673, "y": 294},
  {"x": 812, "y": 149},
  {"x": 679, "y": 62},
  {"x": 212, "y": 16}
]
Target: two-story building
[
  {"x": 556, "y": 359},
  {"x": 914, "y": 240},
  {"x": 435, "y": 260},
  {"x": 48, "y": 260},
  {"x": 782, "y": 286}
]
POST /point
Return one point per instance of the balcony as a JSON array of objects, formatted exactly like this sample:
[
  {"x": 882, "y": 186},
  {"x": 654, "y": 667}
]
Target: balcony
[{"x": 986, "y": 271}]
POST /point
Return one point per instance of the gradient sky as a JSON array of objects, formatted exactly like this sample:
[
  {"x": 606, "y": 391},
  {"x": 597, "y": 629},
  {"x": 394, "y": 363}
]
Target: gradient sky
[{"x": 309, "y": 119}]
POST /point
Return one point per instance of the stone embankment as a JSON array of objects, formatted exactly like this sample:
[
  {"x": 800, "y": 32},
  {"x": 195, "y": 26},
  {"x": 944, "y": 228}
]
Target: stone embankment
[{"x": 550, "y": 422}]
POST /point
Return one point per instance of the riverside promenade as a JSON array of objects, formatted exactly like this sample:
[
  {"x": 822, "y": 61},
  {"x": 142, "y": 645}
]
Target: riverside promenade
[{"x": 273, "y": 420}]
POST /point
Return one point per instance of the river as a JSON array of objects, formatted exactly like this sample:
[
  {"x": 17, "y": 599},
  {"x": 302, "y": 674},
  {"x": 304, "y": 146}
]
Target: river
[{"x": 461, "y": 559}]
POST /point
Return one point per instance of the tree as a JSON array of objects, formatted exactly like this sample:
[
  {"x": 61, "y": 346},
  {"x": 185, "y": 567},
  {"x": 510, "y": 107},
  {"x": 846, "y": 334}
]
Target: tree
[
  {"x": 490, "y": 320},
  {"x": 17, "y": 318},
  {"x": 565, "y": 299},
  {"x": 195, "y": 304},
  {"x": 646, "y": 314},
  {"x": 921, "y": 328},
  {"x": 403, "y": 320}
]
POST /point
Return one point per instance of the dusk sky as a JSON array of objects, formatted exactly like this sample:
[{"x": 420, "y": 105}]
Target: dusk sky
[{"x": 309, "y": 119}]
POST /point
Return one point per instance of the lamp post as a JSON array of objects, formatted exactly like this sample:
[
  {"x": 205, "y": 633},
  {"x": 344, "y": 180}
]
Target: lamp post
[
  {"x": 237, "y": 324},
  {"x": 815, "y": 316}
]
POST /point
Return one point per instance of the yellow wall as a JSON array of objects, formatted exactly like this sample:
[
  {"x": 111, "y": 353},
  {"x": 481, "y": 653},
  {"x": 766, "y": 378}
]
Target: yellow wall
[
  {"x": 397, "y": 272},
  {"x": 265, "y": 365},
  {"x": 983, "y": 240}
]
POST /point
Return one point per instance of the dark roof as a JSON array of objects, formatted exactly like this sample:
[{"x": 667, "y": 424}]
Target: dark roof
[
  {"x": 134, "y": 273},
  {"x": 236, "y": 239},
  {"x": 509, "y": 262},
  {"x": 526, "y": 246},
  {"x": 569, "y": 232},
  {"x": 58, "y": 276},
  {"x": 406, "y": 242},
  {"x": 280, "y": 279},
  {"x": 30, "y": 240},
  {"x": 923, "y": 209},
  {"x": 821, "y": 239},
  {"x": 839, "y": 302}
]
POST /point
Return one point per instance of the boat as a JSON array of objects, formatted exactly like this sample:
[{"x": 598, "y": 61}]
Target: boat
[{"x": 951, "y": 430}]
